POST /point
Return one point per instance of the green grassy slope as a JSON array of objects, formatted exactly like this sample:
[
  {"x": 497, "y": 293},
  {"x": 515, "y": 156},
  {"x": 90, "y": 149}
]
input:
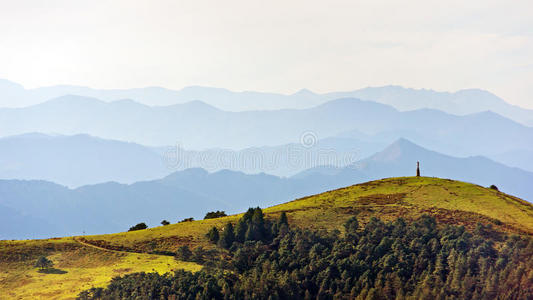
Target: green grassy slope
[{"x": 449, "y": 201}]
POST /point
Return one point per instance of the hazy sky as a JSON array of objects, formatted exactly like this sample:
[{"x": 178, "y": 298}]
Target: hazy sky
[{"x": 276, "y": 46}]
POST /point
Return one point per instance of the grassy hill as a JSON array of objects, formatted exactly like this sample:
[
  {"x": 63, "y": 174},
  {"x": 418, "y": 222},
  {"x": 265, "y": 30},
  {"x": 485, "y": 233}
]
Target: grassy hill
[{"x": 84, "y": 262}]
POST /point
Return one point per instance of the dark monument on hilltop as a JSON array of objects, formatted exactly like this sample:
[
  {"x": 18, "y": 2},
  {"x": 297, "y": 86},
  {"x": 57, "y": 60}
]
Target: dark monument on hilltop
[{"x": 417, "y": 169}]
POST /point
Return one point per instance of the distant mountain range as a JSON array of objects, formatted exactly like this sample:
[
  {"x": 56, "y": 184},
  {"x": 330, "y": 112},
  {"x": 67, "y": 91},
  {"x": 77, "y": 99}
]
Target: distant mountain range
[
  {"x": 197, "y": 125},
  {"x": 461, "y": 102},
  {"x": 82, "y": 159},
  {"x": 112, "y": 207}
]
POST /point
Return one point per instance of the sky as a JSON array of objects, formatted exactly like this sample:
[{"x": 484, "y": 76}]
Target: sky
[{"x": 271, "y": 46}]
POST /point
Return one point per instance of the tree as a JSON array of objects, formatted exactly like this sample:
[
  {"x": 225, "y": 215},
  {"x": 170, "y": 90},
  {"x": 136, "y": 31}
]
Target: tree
[
  {"x": 213, "y": 235},
  {"x": 184, "y": 253},
  {"x": 139, "y": 226},
  {"x": 43, "y": 263},
  {"x": 494, "y": 187},
  {"x": 227, "y": 237},
  {"x": 350, "y": 227},
  {"x": 240, "y": 230},
  {"x": 165, "y": 222},
  {"x": 283, "y": 219},
  {"x": 256, "y": 228}
]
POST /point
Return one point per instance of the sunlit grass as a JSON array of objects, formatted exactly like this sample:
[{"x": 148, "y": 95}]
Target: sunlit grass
[{"x": 82, "y": 269}]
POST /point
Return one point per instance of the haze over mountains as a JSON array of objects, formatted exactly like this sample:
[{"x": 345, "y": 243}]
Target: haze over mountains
[
  {"x": 482, "y": 133},
  {"x": 81, "y": 159},
  {"x": 77, "y": 160},
  {"x": 112, "y": 207},
  {"x": 461, "y": 102}
]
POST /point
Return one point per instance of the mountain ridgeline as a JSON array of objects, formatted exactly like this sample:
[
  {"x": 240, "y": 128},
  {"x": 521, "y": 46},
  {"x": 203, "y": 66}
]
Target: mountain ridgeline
[
  {"x": 481, "y": 133},
  {"x": 461, "y": 102}
]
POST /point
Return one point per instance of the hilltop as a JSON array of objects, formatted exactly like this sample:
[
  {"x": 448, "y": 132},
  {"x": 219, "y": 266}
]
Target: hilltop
[{"x": 93, "y": 260}]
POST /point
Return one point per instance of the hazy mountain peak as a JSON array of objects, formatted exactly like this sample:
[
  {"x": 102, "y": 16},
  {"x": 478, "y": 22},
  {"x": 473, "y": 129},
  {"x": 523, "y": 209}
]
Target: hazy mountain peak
[
  {"x": 197, "y": 106},
  {"x": 304, "y": 92},
  {"x": 343, "y": 101},
  {"x": 397, "y": 150},
  {"x": 188, "y": 173},
  {"x": 72, "y": 99},
  {"x": 29, "y": 135}
]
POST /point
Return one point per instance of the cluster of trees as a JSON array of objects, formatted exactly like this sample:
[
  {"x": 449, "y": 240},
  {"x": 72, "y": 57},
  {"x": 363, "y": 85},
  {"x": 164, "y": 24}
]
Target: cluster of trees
[
  {"x": 186, "y": 220},
  {"x": 215, "y": 214},
  {"x": 139, "y": 226},
  {"x": 393, "y": 260},
  {"x": 251, "y": 227}
]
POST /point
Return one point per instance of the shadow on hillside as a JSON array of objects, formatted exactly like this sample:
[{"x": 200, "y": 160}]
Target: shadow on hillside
[{"x": 52, "y": 271}]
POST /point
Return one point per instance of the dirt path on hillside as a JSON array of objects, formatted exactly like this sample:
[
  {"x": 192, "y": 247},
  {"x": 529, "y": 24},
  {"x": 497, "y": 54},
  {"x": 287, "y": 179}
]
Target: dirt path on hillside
[{"x": 98, "y": 247}]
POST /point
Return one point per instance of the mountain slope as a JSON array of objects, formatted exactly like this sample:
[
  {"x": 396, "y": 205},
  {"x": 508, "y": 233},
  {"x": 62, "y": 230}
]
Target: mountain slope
[
  {"x": 114, "y": 207},
  {"x": 518, "y": 158},
  {"x": 450, "y": 201}
]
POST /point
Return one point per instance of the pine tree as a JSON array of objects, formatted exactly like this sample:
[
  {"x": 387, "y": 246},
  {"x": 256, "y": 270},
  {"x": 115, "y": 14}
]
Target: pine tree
[
  {"x": 227, "y": 237},
  {"x": 350, "y": 227},
  {"x": 213, "y": 235},
  {"x": 283, "y": 219}
]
